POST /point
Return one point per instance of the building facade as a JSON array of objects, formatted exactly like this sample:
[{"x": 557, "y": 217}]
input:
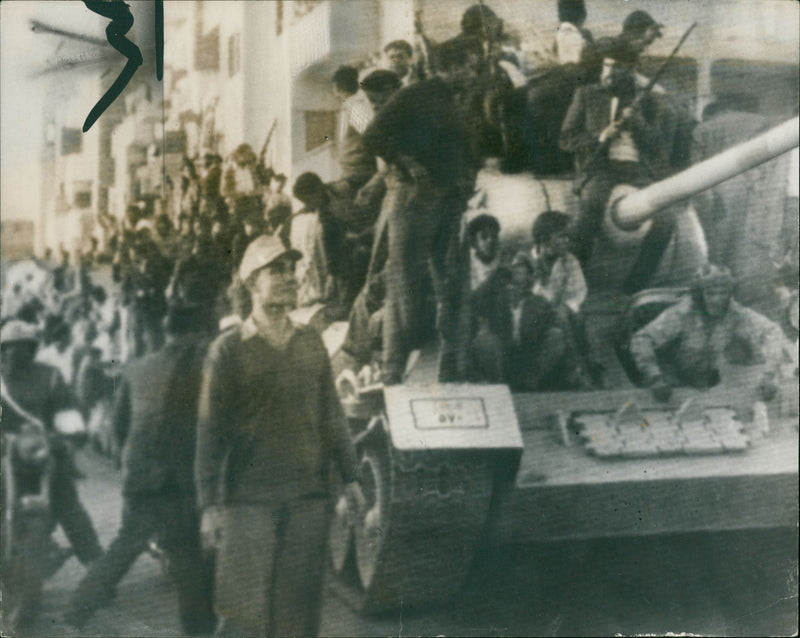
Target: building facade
[{"x": 240, "y": 71}]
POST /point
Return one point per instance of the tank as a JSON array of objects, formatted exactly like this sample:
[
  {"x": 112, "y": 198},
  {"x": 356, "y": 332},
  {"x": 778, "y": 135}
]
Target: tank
[{"x": 451, "y": 469}]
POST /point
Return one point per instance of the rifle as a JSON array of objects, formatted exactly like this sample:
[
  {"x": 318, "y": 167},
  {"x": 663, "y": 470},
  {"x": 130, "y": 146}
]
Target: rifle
[
  {"x": 601, "y": 150},
  {"x": 422, "y": 46},
  {"x": 263, "y": 152},
  {"x": 263, "y": 173}
]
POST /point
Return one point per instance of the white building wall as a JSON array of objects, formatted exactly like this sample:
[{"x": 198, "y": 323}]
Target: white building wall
[
  {"x": 71, "y": 226},
  {"x": 268, "y": 87},
  {"x": 396, "y": 21}
]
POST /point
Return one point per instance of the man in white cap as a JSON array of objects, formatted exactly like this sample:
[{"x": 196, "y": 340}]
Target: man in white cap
[{"x": 270, "y": 423}]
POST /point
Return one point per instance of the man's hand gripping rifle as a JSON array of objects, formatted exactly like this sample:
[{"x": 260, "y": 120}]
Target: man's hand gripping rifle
[{"x": 624, "y": 117}]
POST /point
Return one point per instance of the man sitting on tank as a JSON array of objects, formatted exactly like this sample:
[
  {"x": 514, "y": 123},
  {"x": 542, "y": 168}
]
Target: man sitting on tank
[
  {"x": 558, "y": 277},
  {"x": 519, "y": 341},
  {"x": 483, "y": 238},
  {"x": 689, "y": 343},
  {"x": 482, "y": 272}
]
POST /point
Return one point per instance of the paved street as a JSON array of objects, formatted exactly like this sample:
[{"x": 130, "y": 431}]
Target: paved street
[{"x": 732, "y": 584}]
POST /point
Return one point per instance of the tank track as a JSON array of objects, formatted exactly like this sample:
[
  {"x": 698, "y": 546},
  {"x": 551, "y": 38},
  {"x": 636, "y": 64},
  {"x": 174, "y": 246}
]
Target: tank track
[{"x": 430, "y": 527}]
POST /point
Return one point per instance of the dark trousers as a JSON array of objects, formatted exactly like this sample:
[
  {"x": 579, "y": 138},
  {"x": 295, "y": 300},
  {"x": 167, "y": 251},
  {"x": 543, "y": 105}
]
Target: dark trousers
[
  {"x": 422, "y": 229},
  {"x": 69, "y": 511},
  {"x": 270, "y": 568},
  {"x": 546, "y": 365},
  {"x": 174, "y": 520},
  {"x": 147, "y": 332},
  {"x": 594, "y": 199}
]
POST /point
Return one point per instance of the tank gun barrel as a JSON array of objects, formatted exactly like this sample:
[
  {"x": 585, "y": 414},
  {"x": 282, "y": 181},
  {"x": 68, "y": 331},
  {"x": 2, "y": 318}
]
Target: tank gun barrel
[{"x": 632, "y": 210}]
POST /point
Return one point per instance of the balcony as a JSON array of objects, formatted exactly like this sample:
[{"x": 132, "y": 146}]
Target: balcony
[{"x": 326, "y": 34}]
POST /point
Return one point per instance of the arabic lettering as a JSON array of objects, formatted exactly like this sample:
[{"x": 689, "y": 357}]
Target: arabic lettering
[{"x": 121, "y": 22}]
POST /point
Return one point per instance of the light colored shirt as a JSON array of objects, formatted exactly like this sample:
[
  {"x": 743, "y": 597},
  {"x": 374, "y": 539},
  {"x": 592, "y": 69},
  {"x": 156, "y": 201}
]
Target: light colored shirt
[
  {"x": 642, "y": 81},
  {"x": 480, "y": 271},
  {"x": 62, "y": 361},
  {"x": 243, "y": 178},
  {"x": 357, "y": 112},
  {"x": 565, "y": 285},
  {"x": 516, "y": 318},
  {"x": 569, "y": 43},
  {"x": 310, "y": 276},
  {"x": 622, "y": 148}
]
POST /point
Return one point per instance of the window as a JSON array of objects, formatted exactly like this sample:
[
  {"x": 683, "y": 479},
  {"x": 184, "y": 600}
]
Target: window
[
  {"x": 234, "y": 61},
  {"x": 320, "y": 128},
  {"x": 71, "y": 141},
  {"x": 82, "y": 194},
  {"x": 175, "y": 142},
  {"x": 766, "y": 88},
  {"x": 206, "y": 53}
]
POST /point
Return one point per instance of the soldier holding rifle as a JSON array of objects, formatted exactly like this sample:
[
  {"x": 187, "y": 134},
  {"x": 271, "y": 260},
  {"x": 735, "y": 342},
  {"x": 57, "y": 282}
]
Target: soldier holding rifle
[
  {"x": 610, "y": 137},
  {"x": 620, "y": 134}
]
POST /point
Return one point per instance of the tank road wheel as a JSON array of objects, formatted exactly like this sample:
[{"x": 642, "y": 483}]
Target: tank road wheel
[
  {"x": 375, "y": 477},
  {"x": 341, "y": 536},
  {"x": 426, "y": 511}
]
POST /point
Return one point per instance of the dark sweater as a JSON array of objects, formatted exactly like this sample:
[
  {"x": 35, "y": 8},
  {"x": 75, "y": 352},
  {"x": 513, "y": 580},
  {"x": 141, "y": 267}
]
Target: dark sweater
[
  {"x": 270, "y": 421},
  {"x": 422, "y": 122},
  {"x": 41, "y": 391},
  {"x": 155, "y": 414}
]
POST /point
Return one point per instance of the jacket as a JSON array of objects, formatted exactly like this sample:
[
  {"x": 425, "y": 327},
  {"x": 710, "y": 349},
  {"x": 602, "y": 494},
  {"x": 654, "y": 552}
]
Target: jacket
[
  {"x": 697, "y": 344},
  {"x": 590, "y": 112},
  {"x": 270, "y": 421},
  {"x": 155, "y": 417}
]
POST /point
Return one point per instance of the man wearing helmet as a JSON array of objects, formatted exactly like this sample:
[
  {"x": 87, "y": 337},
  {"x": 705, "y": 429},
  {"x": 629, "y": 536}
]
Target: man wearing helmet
[
  {"x": 688, "y": 343},
  {"x": 34, "y": 392}
]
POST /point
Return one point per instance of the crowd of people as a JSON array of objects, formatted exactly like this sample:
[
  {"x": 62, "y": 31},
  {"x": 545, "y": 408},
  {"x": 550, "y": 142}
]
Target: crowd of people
[{"x": 200, "y": 312}]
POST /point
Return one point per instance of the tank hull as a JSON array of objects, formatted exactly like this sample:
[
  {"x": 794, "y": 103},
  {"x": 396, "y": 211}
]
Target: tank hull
[
  {"x": 562, "y": 491},
  {"x": 440, "y": 507}
]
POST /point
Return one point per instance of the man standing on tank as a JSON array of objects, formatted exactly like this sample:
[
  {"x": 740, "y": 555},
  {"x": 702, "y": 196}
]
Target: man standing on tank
[
  {"x": 429, "y": 177},
  {"x": 594, "y": 120}
]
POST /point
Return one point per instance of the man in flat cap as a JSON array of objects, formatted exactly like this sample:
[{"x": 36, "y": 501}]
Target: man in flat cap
[{"x": 269, "y": 425}]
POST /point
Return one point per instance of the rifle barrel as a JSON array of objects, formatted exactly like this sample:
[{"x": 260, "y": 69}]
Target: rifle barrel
[{"x": 601, "y": 150}]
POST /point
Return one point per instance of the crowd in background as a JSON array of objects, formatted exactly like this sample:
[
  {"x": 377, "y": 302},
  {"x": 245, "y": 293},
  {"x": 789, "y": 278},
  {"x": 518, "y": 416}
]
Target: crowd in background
[
  {"x": 451, "y": 106},
  {"x": 399, "y": 245}
]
